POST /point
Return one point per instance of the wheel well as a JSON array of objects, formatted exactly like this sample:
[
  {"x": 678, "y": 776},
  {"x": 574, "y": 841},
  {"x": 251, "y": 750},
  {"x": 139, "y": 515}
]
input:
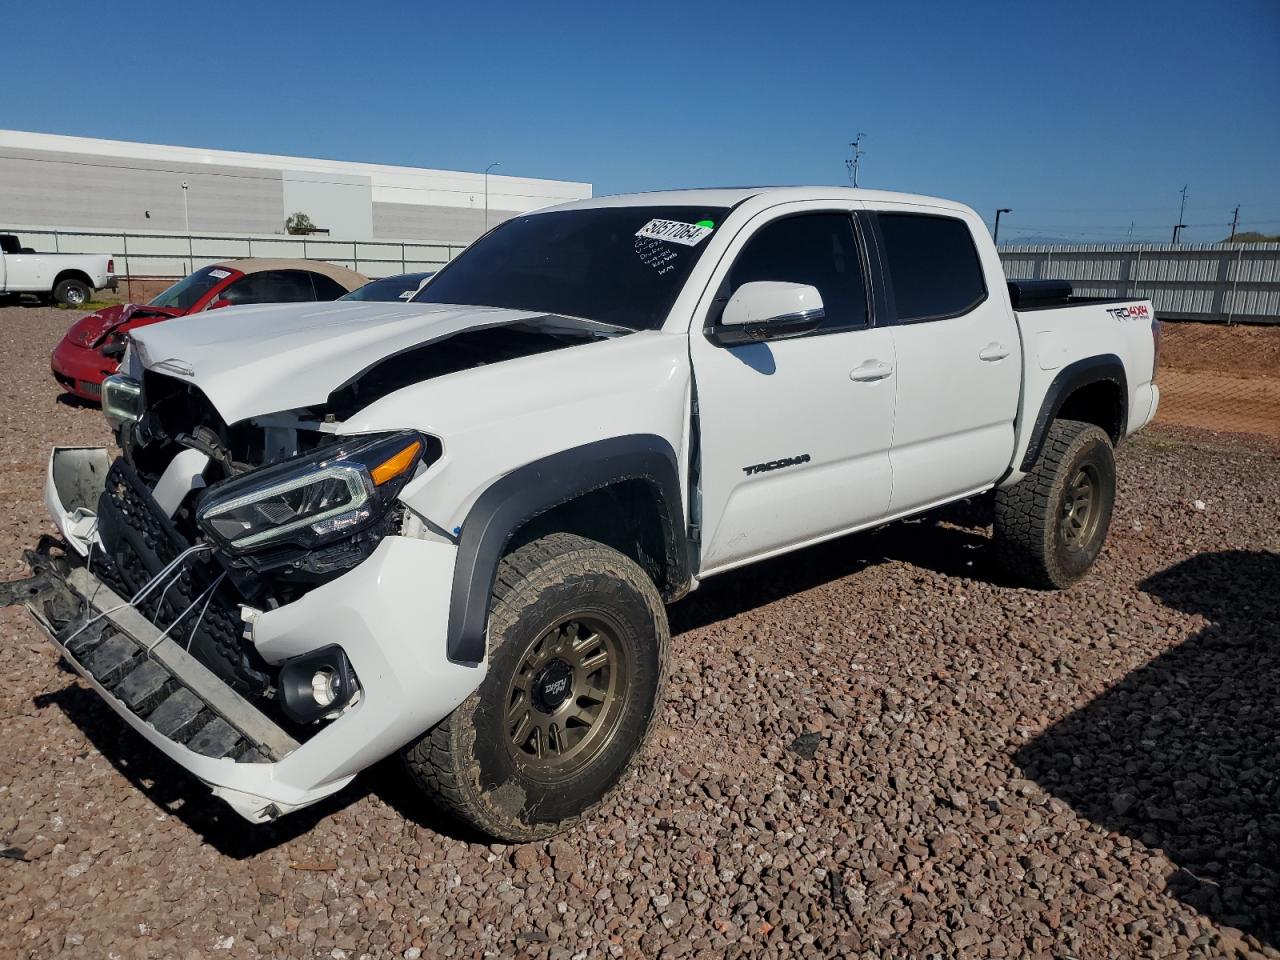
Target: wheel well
[
  {"x": 73, "y": 275},
  {"x": 1099, "y": 403},
  {"x": 625, "y": 515}
]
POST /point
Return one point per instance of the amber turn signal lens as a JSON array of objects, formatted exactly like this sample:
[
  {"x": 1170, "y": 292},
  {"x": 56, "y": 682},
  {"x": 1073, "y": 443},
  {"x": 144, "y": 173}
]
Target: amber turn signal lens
[{"x": 393, "y": 466}]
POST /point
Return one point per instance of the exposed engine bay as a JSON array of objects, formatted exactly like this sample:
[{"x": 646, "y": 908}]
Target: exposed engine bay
[{"x": 280, "y": 503}]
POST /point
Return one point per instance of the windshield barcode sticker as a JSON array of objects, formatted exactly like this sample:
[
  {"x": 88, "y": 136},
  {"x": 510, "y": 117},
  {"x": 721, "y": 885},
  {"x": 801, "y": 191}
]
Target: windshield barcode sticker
[
  {"x": 673, "y": 231},
  {"x": 220, "y": 274}
]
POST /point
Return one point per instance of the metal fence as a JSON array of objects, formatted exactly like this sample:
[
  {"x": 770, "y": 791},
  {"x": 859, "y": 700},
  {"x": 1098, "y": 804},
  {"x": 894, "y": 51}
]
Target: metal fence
[
  {"x": 168, "y": 256},
  {"x": 1217, "y": 282}
]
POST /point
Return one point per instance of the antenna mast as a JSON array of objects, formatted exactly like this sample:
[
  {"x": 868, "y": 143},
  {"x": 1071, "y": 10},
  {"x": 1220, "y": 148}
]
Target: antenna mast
[{"x": 856, "y": 154}]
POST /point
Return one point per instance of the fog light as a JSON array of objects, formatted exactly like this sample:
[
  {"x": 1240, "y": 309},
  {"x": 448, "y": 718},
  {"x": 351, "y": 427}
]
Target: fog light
[
  {"x": 121, "y": 400},
  {"x": 325, "y": 686},
  {"x": 316, "y": 684}
]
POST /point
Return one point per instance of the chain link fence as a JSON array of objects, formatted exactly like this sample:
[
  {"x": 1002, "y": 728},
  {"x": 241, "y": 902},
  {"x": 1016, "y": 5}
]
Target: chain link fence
[{"x": 1220, "y": 378}]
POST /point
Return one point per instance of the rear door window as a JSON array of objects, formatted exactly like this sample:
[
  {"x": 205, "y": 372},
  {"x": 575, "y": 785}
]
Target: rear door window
[{"x": 933, "y": 265}]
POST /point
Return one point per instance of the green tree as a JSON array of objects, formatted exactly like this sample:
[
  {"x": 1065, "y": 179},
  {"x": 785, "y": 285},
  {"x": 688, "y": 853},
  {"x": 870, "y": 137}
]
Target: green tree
[
  {"x": 299, "y": 224},
  {"x": 1253, "y": 236}
]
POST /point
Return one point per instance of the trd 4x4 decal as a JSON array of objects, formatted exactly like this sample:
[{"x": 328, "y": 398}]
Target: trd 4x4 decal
[{"x": 1139, "y": 311}]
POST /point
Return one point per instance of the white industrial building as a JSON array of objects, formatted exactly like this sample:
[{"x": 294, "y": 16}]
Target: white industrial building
[{"x": 50, "y": 182}]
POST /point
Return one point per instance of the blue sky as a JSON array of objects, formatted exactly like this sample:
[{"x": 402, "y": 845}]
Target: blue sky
[{"x": 1083, "y": 117}]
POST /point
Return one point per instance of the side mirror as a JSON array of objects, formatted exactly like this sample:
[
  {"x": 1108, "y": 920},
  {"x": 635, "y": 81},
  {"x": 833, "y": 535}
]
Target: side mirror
[{"x": 768, "y": 310}]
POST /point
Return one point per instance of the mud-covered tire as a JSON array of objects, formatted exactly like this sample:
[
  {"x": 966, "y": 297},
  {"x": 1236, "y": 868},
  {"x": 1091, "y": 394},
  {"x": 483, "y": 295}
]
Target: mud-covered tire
[
  {"x": 72, "y": 292},
  {"x": 1051, "y": 525},
  {"x": 471, "y": 764}
]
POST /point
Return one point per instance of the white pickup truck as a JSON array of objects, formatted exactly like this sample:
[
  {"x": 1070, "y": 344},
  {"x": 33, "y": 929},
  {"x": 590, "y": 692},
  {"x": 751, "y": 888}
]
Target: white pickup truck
[
  {"x": 68, "y": 278},
  {"x": 449, "y": 527}
]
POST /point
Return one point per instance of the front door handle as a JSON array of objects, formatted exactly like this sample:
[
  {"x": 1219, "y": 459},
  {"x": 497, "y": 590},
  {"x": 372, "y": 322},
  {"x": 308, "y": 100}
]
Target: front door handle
[
  {"x": 870, "y": 371},
  {"x": 993, "y": 351}
]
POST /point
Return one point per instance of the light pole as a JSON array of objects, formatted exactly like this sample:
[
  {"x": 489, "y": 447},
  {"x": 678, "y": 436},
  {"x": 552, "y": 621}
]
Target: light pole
[
  {"x": 496, "y": 163},
  {"x": 186, "y": 219},
  {"x": 1177, "y": 229},
  {"x": 996, "y": 237}
]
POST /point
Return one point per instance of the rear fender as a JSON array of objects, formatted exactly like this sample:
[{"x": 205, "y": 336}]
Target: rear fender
[{"x": 1102, "y": 368}]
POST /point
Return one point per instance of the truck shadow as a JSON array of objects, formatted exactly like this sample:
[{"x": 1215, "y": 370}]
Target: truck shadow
[
  {"x": 953, "y": 542},
  {"x": 1184, "y": 753},
  {"x": 177, "y": 793}
]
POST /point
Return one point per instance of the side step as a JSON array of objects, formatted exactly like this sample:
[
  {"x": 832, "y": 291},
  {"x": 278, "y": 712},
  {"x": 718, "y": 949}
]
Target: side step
[{"x": 153, "y": 676}]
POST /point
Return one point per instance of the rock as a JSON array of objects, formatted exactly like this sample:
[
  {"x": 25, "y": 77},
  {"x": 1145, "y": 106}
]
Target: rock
[{"x": 805, "y": 746}]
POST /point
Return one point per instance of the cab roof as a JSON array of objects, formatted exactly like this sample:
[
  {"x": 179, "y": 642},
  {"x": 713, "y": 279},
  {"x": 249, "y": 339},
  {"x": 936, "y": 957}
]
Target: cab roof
[{"x": 732, "y": 196}]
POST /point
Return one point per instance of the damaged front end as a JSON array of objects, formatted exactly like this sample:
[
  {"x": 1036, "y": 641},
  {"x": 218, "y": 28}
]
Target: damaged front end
[
  {"x": 279, "y": 504},
  {"x": 244, "y": 595}
]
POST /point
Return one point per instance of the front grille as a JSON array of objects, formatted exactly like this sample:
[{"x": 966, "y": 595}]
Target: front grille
[{"x": 140, "y": 541}]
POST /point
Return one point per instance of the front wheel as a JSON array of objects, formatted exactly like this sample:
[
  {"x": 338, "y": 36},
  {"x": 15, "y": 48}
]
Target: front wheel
[
  {"x": 1051, "y": 525},
  {"x": 578, "y": 642}
]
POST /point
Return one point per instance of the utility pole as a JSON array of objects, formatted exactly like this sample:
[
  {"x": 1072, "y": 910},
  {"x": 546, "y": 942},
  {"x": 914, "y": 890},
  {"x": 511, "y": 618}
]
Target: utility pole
[
  {"x": 1235, "y": 222},
  {"x": 496, "y": 163},
  {"x": 995, "y": 238},
  {"x": 855, "y": 147},
  {"x": 1181, "y": 210}
]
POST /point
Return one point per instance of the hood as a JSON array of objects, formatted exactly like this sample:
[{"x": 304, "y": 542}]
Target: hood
[
  {"x": 91, "y": 330},
  {"x": 253, "y": 360}
]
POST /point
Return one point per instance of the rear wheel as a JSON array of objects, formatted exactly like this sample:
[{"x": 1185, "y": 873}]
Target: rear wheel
[
  {"x": 71, "y": 292},
  {"x": 578, "y": 642},
  {"x": 1051, "y": 525}
]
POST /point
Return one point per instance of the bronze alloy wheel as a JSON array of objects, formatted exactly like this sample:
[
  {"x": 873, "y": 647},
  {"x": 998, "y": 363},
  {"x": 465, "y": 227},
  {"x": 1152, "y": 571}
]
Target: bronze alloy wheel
[
  {"x": 1080, "y": 511},
  {"x": 577, "y": 653},
  {"x": 565, "y": 698}
]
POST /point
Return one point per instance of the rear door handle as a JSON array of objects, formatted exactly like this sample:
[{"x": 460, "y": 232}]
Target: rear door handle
[
  {"x": 870, "y": 371},
  {"x": 993, "y": 351}
]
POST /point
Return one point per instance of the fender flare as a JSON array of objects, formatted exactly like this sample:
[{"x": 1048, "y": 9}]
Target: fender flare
[
  {"x": 1104, "y": 367},
  {"x": 72, "y": 273},
  {"x": 537, "y": 487}
]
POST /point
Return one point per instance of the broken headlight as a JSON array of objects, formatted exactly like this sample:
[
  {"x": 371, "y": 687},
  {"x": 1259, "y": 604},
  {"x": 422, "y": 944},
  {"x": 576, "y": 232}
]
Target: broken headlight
[{"x": 311, "y": 500}]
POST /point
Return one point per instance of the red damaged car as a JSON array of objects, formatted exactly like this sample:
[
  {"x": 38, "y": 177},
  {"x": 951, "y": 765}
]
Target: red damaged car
[{"x": 92, "y": 348}]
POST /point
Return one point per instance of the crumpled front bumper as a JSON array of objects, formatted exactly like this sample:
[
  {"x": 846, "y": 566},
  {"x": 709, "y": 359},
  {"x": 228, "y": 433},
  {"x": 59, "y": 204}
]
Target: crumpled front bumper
[{"x": 389, "y": 615}]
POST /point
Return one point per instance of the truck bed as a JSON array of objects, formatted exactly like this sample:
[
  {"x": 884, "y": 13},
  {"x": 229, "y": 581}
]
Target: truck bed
[{"x": 1109, "y": 342}]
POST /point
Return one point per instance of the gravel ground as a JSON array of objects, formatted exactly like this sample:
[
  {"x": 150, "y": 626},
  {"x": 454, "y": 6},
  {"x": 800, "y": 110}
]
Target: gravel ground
[{"x": 872, "y": 748}]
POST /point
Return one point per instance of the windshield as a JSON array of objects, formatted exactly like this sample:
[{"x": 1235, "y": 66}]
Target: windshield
[
  {"x": 389, "y": 289},
  {"x": 186, "y": 293},
  {"x": 617, "y": 265}
]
